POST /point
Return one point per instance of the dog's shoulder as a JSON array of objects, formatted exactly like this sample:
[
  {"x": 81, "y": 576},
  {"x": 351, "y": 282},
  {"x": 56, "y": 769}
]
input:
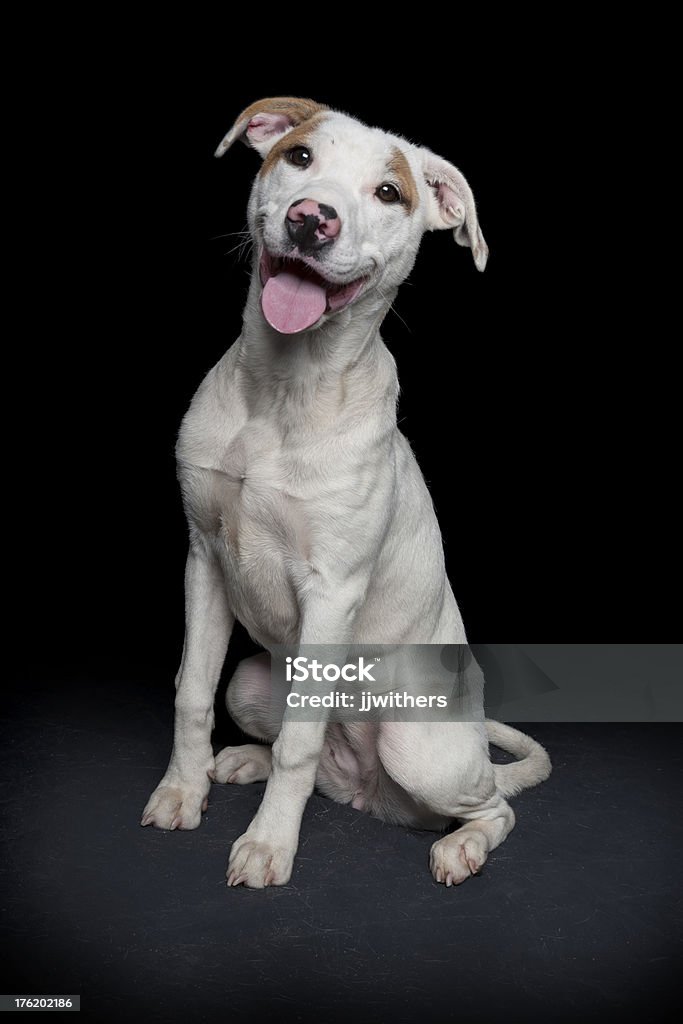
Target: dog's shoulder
[{"x": 216, "y": 414}]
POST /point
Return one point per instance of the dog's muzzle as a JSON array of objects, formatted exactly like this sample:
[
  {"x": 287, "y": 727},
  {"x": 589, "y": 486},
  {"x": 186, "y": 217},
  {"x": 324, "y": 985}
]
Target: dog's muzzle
[{"x": 295, "y": 295}]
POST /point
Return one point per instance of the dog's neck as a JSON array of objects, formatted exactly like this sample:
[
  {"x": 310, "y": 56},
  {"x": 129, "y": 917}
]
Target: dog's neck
[{"x": 322, "y": 375}]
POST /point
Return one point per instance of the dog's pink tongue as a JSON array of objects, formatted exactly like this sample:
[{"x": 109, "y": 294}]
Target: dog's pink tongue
[{"x": 292, "y": 303}]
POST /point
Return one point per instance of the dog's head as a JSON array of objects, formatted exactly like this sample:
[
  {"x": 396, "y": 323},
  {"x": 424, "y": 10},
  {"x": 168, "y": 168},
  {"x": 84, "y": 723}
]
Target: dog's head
[{"x": 338, "y": 209}]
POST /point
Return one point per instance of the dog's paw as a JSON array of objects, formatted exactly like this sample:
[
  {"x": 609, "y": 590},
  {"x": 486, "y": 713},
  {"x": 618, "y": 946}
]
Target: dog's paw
[
  {"x": 458, "y": 856},
  {"x": 250, "y": 763},
  {"x": 174, "y": 807},
  {"x": 259, "y": 864}
]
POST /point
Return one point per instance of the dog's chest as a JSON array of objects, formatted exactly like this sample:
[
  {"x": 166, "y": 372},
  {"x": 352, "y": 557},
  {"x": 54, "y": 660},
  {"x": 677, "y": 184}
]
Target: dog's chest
[
  {"x": 246, "y": 497},
  {"x": 248, "y": 486}
]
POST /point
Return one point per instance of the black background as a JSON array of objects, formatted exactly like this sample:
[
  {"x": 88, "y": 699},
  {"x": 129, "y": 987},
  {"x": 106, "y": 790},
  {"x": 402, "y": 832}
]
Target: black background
[
  {"x": 522, "y": 394},
  {"x": 539, "y": 403}
]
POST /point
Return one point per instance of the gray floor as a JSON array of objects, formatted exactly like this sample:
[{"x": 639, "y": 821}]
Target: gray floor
[{"x": 577, "y": 916}]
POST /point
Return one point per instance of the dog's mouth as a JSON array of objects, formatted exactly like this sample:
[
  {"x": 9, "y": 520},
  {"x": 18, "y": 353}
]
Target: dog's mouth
[{"x": 295, "y": 296}]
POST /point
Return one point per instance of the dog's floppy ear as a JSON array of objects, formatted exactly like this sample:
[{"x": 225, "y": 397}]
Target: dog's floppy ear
[
  {"x": 451, "y": 205},
  {"x": 262, "y": 124}
]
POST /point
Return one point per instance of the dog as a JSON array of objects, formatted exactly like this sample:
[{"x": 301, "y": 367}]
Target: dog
[{"x": 308, "y": 516}]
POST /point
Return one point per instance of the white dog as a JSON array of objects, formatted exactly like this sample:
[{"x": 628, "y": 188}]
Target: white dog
[{"x": 309, "y": 519}]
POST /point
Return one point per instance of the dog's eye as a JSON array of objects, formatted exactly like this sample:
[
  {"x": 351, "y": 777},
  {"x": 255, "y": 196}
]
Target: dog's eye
[
  {"x": 299, "y": 156},
  {"x": 388, "y": 193}
]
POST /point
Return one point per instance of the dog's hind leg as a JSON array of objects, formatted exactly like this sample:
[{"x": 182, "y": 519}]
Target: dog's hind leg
[
  {"x": 461, "y": 854},
  {"x": 251, "y": 705},
  {"x": 446, "y": 766}
]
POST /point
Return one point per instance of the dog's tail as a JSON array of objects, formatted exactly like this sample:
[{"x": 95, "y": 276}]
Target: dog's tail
[{"x": 533, "y": 767}]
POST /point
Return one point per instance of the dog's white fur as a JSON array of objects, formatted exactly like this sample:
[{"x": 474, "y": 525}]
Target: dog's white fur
[{"x": 310, "y": 522}]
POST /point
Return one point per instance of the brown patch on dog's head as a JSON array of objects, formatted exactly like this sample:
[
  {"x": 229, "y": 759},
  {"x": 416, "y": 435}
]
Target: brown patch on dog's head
[
  {"x": 294, "y": 108},
  {"x": 265, "y": 119},
  {"x": 403, "y": 176},
  {"x": 299, "y": 136}
]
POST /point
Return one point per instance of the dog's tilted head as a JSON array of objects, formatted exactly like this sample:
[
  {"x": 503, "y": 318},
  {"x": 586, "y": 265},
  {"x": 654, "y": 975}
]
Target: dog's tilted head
[{"x": 338, "y": 209}]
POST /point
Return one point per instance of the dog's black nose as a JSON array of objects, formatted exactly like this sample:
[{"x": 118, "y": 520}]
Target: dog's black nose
[{"x": 311, "y": 225}]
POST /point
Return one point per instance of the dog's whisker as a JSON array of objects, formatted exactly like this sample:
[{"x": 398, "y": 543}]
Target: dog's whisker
[
  {"x": 242, "y": 248},
  {"x": 244, "y": 233},
  {"x": 392, "y": 309},
  {"x": 229, "y": 234}
]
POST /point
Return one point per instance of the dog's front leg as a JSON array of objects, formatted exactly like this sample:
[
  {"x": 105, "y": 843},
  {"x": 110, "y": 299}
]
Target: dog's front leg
[
  {"x": 264, "y": 855},
  {"x": 182, "y": 794}
]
